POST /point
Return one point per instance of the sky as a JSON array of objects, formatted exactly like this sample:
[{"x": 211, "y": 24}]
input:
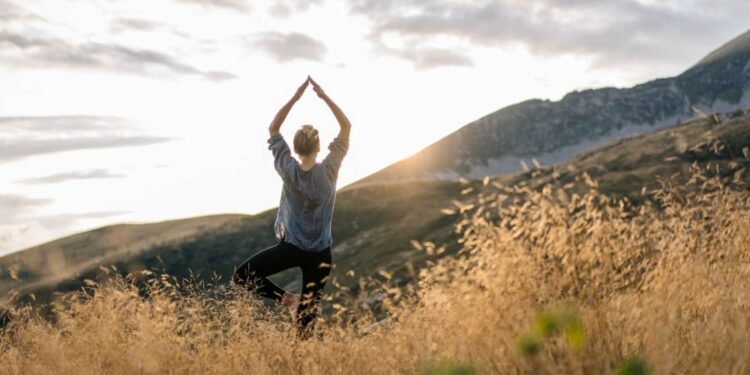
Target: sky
[{"x": 115, "y": 111}]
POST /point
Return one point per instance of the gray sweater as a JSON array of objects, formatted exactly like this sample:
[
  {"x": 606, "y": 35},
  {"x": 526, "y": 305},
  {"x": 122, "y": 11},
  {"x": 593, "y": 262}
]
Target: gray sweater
[{"x": 307, "y": 198}]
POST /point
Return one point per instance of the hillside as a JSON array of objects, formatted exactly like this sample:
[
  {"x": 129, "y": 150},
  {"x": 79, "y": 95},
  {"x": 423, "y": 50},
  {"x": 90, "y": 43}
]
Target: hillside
[
  {"x": 59, "y": 259},
  {"x": 374, "y": 223},
  {"x": 553, "y": 131},
  {"x": 372, "y": 228}
]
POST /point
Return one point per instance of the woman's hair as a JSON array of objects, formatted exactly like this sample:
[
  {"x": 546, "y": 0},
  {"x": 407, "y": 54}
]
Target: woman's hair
[{"x": 306, "y": 140}]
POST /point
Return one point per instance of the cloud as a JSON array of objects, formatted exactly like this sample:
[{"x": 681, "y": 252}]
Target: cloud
[
  {"x": 124, "y": 24},
  {"x": 237, "y": 5},
  {"x": 71, "y": 176},
  {"x": 14, "y": 207},
  {"x": 426, "y": 57},
  {"x": 24, "y": 148},
  {"x": 24, "y": 51},
  {"x": 285, "y": 8},
  {"x": 611, "y": 32},
  {"x": 27, "y": 229},
  {"x": 28, "y": 41},
  {"x": 14, "y": 125},
  {"x": 61, "y": 221},
  {"x": 12, "y": 12},
  {"x": 22, "y": 137},
  {"x": 287, "y": 47}
]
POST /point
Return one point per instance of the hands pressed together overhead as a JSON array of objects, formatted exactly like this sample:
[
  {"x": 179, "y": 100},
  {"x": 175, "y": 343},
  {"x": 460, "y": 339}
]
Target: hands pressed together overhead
[
  {"x": 316, "y": 88},
  {"x": 340, "y": 117}
]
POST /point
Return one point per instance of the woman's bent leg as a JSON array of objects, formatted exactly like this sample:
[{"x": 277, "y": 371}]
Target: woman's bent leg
[
  {"x": 315, "y": 271},
  {"x": 253, "y": 272}
]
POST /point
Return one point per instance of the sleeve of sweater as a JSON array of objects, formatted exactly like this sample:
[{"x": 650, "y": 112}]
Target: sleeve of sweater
[
  {"x": 283, "y": 161},
  {"x": 338, "y": 149}
]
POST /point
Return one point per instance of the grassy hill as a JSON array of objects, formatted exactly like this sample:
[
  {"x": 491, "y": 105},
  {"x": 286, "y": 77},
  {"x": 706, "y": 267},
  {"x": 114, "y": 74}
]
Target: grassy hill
[
  {"x": 372, "y": 229},
  {"x": 374, "y": 223},
  {"x": 61, "y": 260}
]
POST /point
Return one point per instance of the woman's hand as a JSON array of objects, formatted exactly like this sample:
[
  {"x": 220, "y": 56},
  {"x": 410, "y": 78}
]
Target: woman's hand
[
  {"x": 318, "y": 90},
  {"x": 301, "y": 90}
]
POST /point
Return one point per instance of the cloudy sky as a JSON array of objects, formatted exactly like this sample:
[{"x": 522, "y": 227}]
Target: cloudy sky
[{"x": 135, "y": 111}]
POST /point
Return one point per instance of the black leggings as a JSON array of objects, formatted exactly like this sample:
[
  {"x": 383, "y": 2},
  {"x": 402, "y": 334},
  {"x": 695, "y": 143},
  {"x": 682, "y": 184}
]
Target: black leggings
[{"x": 315, "y": 266}]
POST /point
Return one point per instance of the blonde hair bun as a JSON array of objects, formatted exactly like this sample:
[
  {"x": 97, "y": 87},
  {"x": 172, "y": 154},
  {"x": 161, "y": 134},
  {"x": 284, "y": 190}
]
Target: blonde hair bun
[{"x": 306, "y": 140}]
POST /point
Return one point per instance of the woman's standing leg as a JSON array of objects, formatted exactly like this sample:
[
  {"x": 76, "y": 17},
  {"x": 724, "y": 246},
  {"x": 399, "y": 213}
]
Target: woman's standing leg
[
  {"x": 315, "y": 270},
  {"x": 253, "y": 272}
]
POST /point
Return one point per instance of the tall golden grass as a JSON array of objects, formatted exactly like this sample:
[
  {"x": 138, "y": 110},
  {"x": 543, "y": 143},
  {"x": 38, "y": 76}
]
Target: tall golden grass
[{"x": 555, "y": 280}]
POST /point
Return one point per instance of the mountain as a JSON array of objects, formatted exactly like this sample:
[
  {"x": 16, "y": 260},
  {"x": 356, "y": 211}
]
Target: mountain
[
  {"x": 373, "y": 223},
  {"x": 553, "y": 131},
  {"x": 56, "y": 261}
]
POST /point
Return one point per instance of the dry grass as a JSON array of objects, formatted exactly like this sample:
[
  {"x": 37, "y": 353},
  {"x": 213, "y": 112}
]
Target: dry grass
[{"x": 547, "y": 282}]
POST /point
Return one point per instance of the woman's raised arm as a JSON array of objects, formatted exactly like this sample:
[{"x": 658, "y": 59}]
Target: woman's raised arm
[
  {"x": 281, "y": 115},
  {"x": 344, "y": 123}
]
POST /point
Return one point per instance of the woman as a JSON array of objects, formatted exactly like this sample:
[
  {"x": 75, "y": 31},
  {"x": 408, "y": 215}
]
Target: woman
[{"x": 303, "y": 222}]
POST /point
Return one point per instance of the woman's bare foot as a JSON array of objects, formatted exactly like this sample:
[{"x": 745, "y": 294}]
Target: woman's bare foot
[{"x": 291, "y": 301}]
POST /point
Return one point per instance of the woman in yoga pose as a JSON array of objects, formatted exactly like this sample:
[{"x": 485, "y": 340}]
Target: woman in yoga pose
[{"x": 303, "y": 222}]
